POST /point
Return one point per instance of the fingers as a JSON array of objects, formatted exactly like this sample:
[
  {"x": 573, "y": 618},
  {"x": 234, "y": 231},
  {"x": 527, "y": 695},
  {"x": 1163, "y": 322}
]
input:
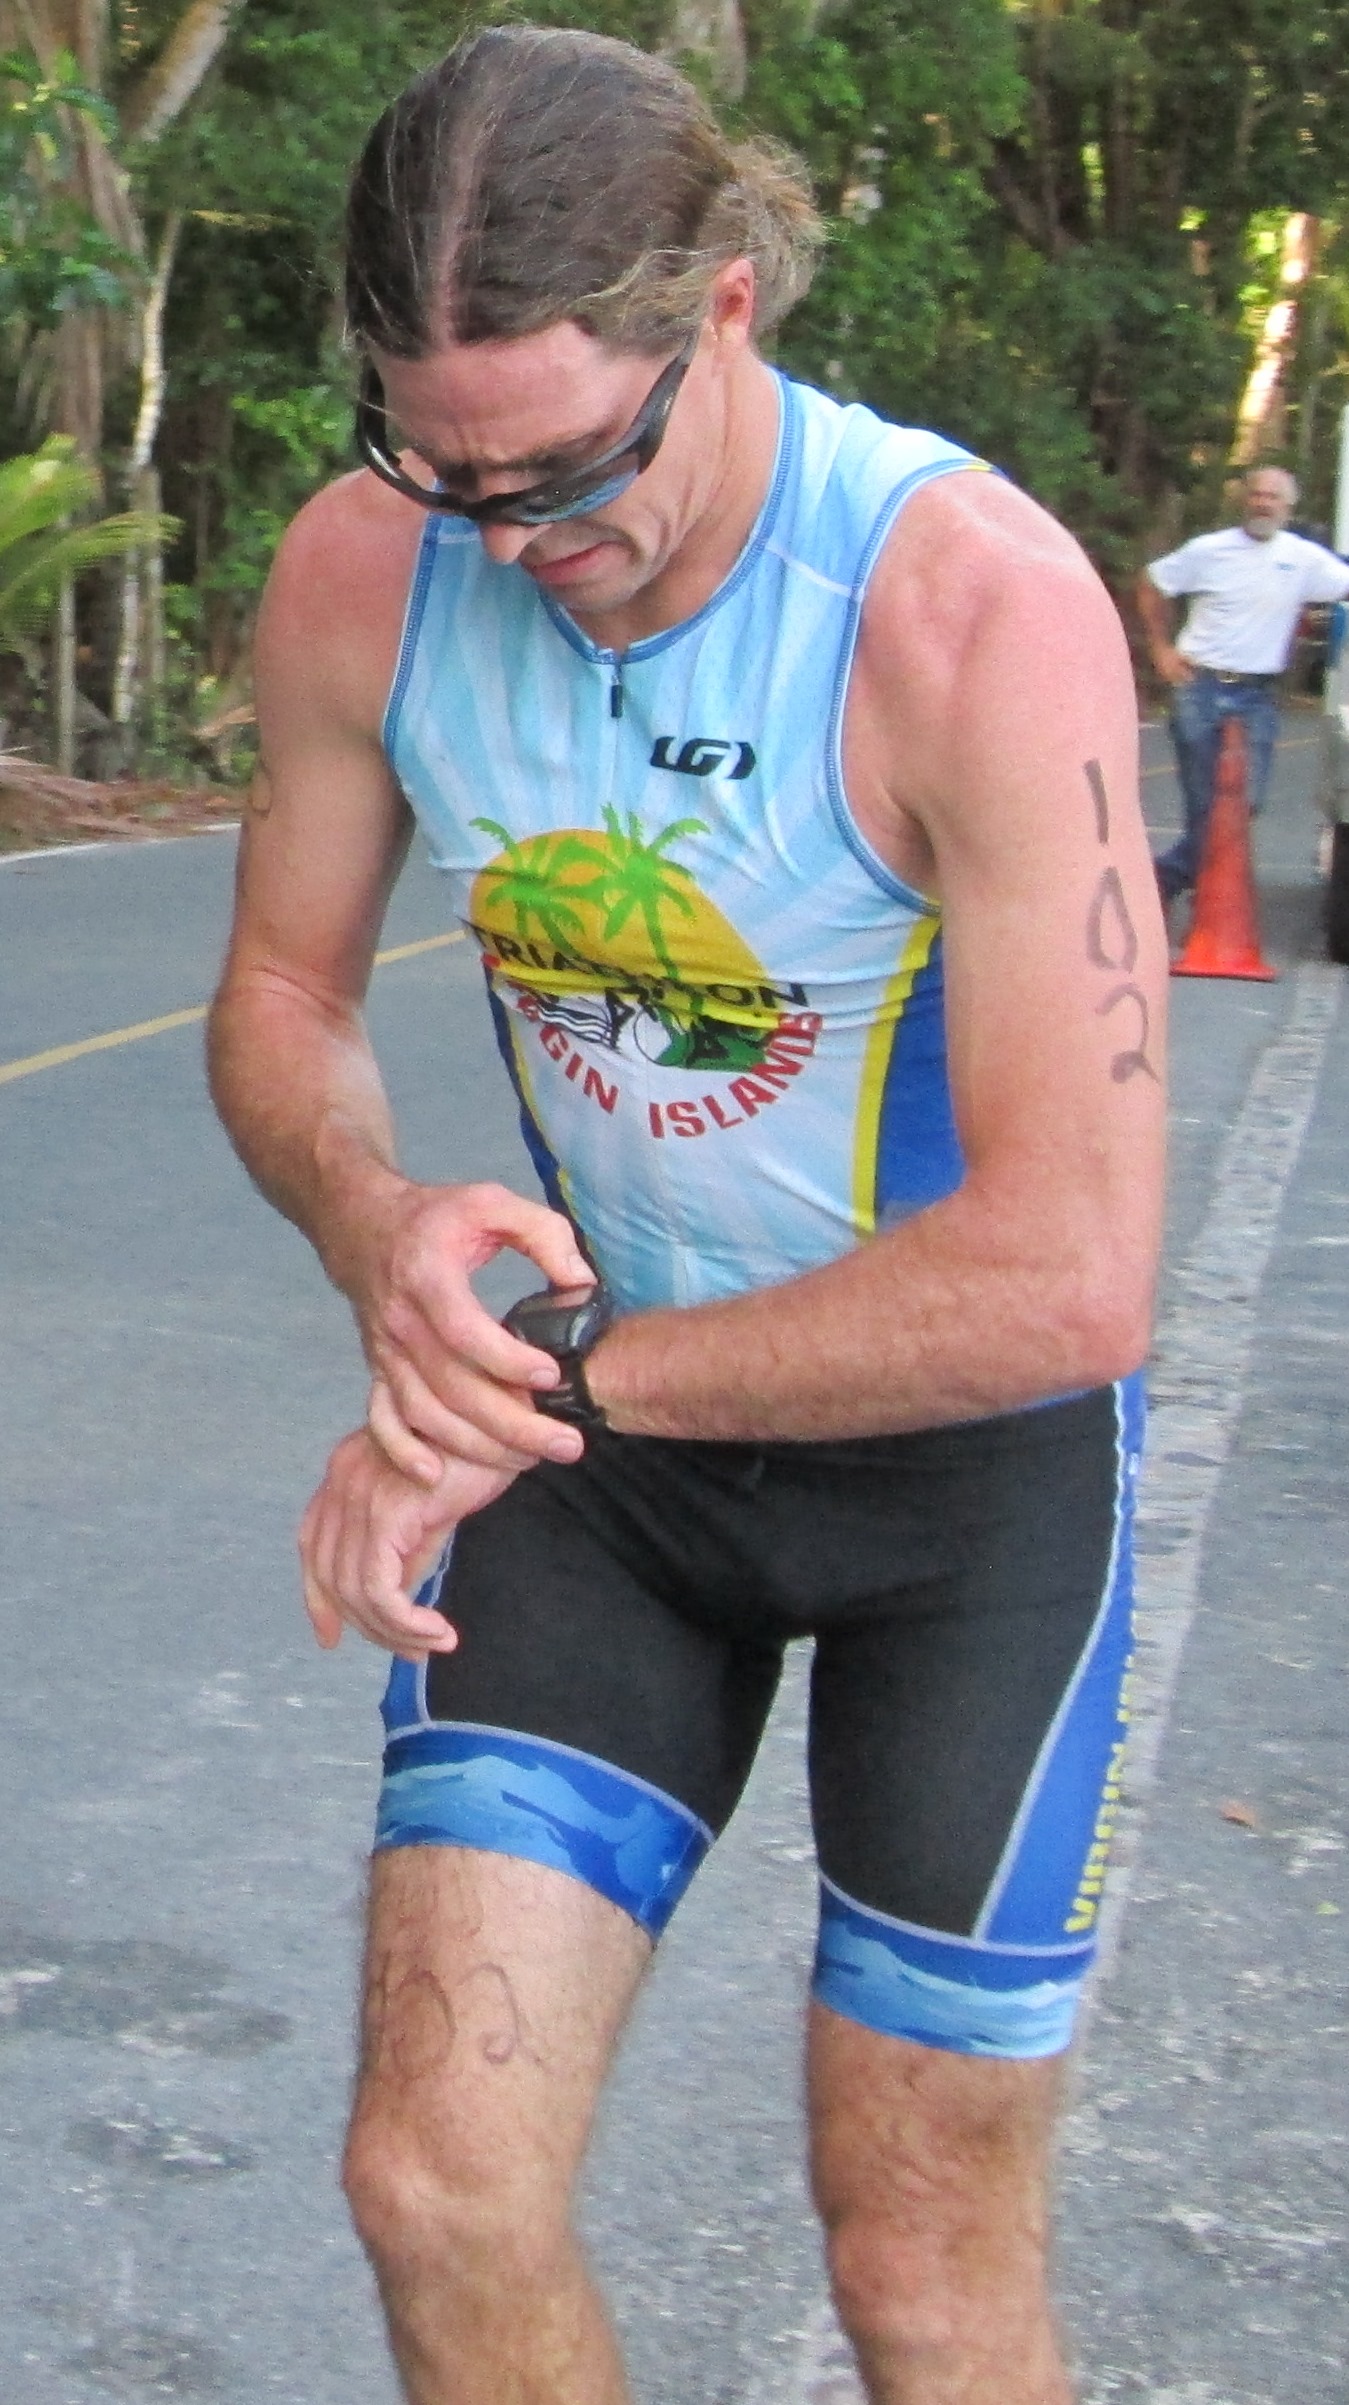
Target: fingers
[
  {"x": 543, "y": 1236},
  {"x": 469, "y": 1417},
  {"x": 474, "y": 1418},
  {"x": 368, "y": 1537},
  {"x": 380, "y": 1610},
  {"x": 455, "y": 1232},
  {"x": 456, "y": 1378},
  {"x": 325, "y": 1619},
  {"x": 437, "y": 1314},
  {"x": 396, "y": 1440}
]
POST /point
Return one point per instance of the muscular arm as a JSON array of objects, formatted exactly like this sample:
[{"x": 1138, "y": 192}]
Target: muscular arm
[
  {"x": 325, "y": 834},
  {"x": 997, "y": 667},
  {"x": 292, "y": 1073}
]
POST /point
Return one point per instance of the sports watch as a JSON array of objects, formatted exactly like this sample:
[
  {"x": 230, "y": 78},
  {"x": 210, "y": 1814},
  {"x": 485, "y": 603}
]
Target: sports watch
[{"x": 566, "y": 1321}]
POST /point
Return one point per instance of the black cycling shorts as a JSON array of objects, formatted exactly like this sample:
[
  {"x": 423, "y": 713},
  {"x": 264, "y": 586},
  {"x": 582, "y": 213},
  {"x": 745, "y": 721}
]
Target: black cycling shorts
[{"x": 621, "y": 1633}]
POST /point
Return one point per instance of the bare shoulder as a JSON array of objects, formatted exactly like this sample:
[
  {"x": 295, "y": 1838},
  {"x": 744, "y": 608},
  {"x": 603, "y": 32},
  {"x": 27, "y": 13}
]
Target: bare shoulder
[
  {"x": 973, "y": 567},
  {"x": 987, "y": 638},
  {"x": 332, "y": 615}
]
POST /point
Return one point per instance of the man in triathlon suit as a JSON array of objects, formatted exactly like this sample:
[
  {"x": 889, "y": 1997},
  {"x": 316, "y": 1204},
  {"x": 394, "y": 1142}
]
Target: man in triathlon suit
[{"x": 782, "y": 764}]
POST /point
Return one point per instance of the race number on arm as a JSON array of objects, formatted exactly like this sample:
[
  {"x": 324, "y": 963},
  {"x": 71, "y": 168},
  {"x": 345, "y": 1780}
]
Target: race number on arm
[{"x": 991, "y": 759}]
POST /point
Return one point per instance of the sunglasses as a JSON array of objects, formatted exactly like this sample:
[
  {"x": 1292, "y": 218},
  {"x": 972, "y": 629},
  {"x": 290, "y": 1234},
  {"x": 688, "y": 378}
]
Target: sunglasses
[{"x": 590, "y": 487}]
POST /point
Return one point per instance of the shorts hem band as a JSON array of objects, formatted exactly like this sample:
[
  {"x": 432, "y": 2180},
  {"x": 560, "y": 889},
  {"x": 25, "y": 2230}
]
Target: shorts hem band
[
  {"x": 944, "y": 1991},
  {"x": 542, "y": 1803}
]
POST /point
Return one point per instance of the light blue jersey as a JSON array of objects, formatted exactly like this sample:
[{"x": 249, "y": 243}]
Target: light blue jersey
[{"x": 721, "y": 1012}]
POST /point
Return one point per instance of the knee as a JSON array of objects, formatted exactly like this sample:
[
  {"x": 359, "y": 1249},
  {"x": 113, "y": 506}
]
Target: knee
[
  {"x": 894, "y": 2286},
  {"x": 903, "y": 2289},
  {"x": 937, "y": 2239},
  {"x": 476, "y": 2215}
]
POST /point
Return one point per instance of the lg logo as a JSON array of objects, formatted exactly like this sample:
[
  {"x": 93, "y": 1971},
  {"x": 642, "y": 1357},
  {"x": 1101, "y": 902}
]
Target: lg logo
[{"x": 702, "y": 756}]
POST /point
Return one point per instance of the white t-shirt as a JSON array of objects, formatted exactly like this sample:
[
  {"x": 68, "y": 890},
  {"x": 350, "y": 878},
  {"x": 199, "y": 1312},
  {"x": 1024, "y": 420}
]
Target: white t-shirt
[{"x": 1246, "y": 596}]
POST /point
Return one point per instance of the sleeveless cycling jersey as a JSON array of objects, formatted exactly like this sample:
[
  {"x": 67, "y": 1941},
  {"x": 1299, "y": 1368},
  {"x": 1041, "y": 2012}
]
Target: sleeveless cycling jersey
[{"x": 721, "y": 1012}]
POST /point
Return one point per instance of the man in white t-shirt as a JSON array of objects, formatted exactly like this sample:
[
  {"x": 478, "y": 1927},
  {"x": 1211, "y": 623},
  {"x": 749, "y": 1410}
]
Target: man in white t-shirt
[{"x": 1247, "y": 587}]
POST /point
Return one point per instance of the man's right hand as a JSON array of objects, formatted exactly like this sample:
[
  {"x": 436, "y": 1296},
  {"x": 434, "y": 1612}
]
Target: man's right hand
[
  {"x": 1172, "y": 666},
  {"x": 445, "y": 1370}
]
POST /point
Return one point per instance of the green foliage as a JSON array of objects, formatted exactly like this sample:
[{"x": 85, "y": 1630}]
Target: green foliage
[
  {"x": 1054, "y": 231},
  {"x": 893, "y": 104},
  {"x": 53, "y": 256},
  {"x": 305, "y": 438},
  {"x": 40, "y": 492},
  {"x": 1040, "y": 221}
]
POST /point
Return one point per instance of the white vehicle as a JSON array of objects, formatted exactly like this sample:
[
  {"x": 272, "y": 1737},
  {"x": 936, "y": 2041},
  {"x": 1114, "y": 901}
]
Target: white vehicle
[{"x": 1334, "y": 786}]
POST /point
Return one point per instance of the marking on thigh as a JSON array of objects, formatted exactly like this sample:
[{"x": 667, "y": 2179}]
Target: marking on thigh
[{"x": 415, "y": 2022}]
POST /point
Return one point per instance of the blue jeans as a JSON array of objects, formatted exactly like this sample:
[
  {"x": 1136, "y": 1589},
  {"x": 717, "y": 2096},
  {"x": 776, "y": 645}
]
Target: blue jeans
[{"x": 1198, "y": 713}]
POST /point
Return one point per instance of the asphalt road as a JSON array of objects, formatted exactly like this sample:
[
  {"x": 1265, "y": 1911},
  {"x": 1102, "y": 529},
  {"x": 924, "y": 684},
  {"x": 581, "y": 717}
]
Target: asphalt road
[{"x": 186, "y": 1784}]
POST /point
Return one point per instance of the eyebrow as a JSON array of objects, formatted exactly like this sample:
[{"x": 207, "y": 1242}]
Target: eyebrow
[{"x": 560, "y": 456}]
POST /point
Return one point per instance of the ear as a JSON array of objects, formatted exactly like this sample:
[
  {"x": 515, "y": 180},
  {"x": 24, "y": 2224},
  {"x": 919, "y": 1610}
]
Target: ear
[{"x": 730, "y": 304}]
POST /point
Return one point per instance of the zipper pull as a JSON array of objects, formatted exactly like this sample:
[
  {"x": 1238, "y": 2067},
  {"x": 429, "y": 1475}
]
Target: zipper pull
[{"x": 616, "y": 691}]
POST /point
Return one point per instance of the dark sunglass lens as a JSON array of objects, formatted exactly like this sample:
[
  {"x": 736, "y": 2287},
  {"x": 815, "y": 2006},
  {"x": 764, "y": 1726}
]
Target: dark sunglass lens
[{"x": 572, "y": 499}]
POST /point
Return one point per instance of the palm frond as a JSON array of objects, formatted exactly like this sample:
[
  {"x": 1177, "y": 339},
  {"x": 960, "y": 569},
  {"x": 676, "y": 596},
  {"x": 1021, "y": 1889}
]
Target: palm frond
[{"x": 32, "y": 573}]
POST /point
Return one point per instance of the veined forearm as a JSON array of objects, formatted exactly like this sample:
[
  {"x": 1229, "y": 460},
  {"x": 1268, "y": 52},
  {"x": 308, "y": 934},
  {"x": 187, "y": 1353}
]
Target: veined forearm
[
  {"x": 300, "y": 1095},
  {"x": 916, "y": 1329}
]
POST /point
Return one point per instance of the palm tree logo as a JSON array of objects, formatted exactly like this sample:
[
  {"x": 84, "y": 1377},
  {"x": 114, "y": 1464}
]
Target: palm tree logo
[
  {"x": 527, "y": 882},
  {"x": 636, "y": 876},
  {"x": 614, "y": 910},
  {"x": 535, "y": 881}
]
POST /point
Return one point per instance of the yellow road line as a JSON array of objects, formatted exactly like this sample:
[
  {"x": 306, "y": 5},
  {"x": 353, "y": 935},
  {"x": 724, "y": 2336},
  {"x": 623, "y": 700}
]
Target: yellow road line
[
  {"x": 59, "y": 1053},
  {"x": 429, "y": 943}
]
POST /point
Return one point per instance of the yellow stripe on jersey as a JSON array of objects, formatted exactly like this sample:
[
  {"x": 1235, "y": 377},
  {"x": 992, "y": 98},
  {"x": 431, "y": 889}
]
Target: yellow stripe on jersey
[{"x": 875, "y": 1064}]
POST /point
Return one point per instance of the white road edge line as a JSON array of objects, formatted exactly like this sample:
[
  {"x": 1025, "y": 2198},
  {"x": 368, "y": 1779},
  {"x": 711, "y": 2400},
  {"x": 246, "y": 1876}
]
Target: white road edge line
[
  {"x": 115, "y": 843},
  {"x": 1197, "y": 1388}
]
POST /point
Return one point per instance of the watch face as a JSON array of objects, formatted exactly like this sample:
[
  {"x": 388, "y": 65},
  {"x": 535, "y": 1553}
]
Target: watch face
[{"x": 568, "y": 1319}]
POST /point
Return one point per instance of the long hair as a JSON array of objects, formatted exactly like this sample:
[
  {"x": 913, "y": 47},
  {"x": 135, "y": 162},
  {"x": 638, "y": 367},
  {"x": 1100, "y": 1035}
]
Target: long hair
[{"x": 537, "y": 175}]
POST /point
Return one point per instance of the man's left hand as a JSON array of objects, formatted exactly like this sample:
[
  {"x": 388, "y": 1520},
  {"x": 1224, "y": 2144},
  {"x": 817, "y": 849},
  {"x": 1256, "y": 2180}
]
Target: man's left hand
[{"x": 368, "y": 1538}]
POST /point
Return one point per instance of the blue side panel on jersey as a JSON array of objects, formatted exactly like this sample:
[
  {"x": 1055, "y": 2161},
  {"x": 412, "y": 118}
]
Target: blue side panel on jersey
[
  {"x": 1049, "y": 1889},
  {"x": 402, "y": 1695},
  {"x": 950, "y": 1992},
  {"x": 545, "y": 1161},
  {"x": 464, "y": 1785},
  {"x": 918, "y": 1155},
  {"x": 403, "y": 1704}
]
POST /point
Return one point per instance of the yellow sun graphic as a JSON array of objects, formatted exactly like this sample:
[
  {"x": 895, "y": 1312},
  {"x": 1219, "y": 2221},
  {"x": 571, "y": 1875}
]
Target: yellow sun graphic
[{"x": 580, "y": 911}]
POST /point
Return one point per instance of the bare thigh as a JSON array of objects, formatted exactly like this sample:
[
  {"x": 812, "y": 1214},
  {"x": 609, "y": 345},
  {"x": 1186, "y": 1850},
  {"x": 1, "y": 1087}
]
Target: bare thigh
[
  {"x": 495, "y": 1992},
  {"x": 931, "y": 2172},
  {"x": 910, "y": 2130}
]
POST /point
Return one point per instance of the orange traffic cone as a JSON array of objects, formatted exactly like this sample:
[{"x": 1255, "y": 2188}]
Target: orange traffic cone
[{"x": 1224, "y": 937}]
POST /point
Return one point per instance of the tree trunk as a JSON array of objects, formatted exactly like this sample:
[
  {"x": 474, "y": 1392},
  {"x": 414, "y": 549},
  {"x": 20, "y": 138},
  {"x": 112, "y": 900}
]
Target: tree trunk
[
  {"x": 170, "y": 81},
  {"x": 142, "y": 574},
  {"x": 63, "y": 681},
  {"x": 714, "y": 30},
  {"x": 1318, "y": 330},
  {"x": 161, "y": 95},
  {"x": 1261, "y": 412}
]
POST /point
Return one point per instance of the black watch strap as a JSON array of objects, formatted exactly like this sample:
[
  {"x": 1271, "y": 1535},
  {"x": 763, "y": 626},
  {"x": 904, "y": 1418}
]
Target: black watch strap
[{"x": 566, "y": 1322}]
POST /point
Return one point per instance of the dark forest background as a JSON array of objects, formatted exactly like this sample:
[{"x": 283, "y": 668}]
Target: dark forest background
[{"x": 1103, "y": 242}]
